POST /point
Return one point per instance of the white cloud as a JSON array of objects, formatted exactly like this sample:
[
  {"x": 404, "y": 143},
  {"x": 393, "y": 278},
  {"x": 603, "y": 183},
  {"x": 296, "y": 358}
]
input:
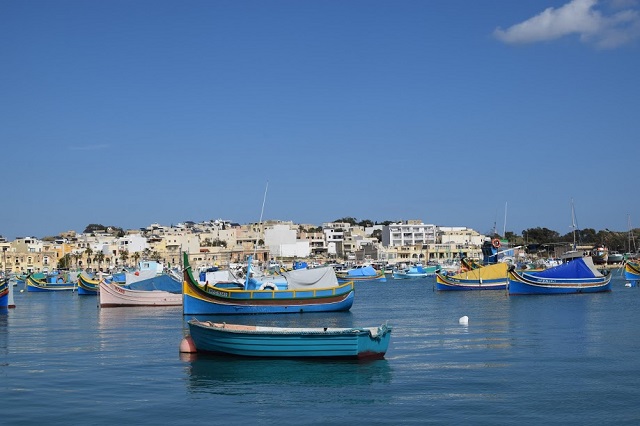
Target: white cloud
[{"x": 578, "y": 17}]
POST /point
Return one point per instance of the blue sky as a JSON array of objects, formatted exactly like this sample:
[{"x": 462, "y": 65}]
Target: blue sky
[{"x": 128, "y": 112}]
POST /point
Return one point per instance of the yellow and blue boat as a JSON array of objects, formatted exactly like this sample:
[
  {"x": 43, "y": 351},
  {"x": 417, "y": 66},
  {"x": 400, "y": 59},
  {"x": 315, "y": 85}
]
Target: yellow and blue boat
[{"x": 303, "y": 290}]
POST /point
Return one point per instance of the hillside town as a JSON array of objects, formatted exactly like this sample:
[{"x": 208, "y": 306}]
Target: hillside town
[{"x": 222, "y": 243}]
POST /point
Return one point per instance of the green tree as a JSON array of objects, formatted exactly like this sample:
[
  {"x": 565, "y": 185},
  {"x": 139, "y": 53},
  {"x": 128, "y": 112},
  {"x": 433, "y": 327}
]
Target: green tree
[
  {"x": 99, "y": 257},
  {"x": 88, "y": 252},
  {"x": 124, "y": 256},
  {"x": 540, "y": 235},
  {"x": 350, "y": 220},
  {"x": 65, "y": 262}
]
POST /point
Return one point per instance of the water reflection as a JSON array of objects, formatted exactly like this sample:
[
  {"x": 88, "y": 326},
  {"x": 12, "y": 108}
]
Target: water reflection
[{"x": 218, "y": 374}]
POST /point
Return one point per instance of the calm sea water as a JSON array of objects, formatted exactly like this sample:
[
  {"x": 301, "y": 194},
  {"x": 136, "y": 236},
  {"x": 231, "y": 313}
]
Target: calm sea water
[{"x": 572, "y": 359}]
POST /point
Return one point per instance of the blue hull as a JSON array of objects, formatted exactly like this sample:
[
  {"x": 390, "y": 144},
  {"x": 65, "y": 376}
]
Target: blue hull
[
  {"x": 87, "y": 287},
  {"x": 4, "y": 293},
  {"x": 516, "y": 288},
  {"x": 475, "y": 286},
  {"x": 274, "y": 342},
  {"x": 204, "y": 300},
  {"x": 83, "y": 291},
  {"x": 381, "y": 279},
  {"x": 31, "y": 287},
  {"x": 444, "y": 283},
  {"x": 632, "y": 272},
  {"x": 198, "y": 306},
  {"x": 576, "y": 276}
]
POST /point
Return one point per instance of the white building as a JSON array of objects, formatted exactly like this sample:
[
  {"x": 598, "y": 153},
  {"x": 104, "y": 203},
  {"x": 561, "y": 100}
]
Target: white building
[
  {"x": 282, "y": 241},
  {"x": 459, "y": 235},
  {"x": 408, "y": 233},
  {"x": 132, "y": 243}
]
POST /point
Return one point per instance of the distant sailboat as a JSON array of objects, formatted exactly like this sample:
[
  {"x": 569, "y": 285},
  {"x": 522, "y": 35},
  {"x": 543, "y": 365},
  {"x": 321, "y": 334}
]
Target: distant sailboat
[{"x": 574, "y": 253}]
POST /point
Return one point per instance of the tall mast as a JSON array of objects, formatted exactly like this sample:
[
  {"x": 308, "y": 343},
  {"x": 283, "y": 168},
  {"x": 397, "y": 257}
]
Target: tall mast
[
  {"x": 504, "y": 229},
  {"x": 573, "y": 224}
]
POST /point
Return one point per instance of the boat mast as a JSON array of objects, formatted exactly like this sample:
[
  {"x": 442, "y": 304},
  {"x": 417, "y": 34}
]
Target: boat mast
[
  {"x": 631, "y": 239},
  {"x": 573, "y": 224},
  {"x": 255, "y": 246},
  {"x": 504, "y": 228}
]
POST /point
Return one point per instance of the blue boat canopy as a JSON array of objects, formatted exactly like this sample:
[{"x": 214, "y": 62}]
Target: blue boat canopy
[
  {"x": 162, "y": 282},
  {"x": 578, "y": 268},
  {"x": 365, "y": 271}
]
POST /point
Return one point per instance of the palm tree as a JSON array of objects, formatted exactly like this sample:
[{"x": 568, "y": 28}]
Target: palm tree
[
  {"x": 124, "y": 255},
  {"x": 88, "y": 252},
  {"x": 99, "y": 258},
  {"x": 136, "y": 257},
  {"x": 77, "y": 257}
]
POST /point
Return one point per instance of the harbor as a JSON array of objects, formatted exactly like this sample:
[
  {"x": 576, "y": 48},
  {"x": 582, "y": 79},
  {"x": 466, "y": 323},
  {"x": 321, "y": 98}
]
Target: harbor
[{"x": 533, "y": 359}]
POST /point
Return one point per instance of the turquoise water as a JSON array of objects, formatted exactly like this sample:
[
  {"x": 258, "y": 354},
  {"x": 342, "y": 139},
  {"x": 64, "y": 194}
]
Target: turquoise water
[{"x": 570, "y": 359}]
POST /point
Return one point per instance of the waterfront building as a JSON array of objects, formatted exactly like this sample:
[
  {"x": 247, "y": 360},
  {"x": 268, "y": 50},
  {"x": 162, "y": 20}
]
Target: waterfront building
[{"x": 408, "y": 233}]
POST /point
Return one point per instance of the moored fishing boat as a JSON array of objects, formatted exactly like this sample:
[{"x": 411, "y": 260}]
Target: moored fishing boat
[
  {"x": 51, "y": 283},
  {"x": 88, "y": 286},
  {"x": 490, "y": 277},
  {"x": 361, "y": 273},
  {"x": 632, "y": 271},
  {"x": 416, "y": 271},
  {"x": 157, "y": 291},
  {"x": 290, "y": 342},
  {"x": 6, "y": 294},
  {"x": 577, "y": 276},
  {"x": 615, "y": 257},
  {"x": 305, "y": 290}
]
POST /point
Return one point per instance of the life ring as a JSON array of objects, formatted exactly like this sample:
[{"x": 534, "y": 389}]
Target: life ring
[
  {"x": 495, "y": 243},
  {"x": 268, "y": 286}
]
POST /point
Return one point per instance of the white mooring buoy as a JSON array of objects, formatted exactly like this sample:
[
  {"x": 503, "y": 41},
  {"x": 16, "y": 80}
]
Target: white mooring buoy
[{"x": 464, "y": 320}]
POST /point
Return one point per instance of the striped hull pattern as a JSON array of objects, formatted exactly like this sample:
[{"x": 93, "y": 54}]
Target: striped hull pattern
[
  {"x": 522, "y": 283},
  {"x": 6, "y": 294},
  {"x": 34, "y": 285},
  {"x": 87, "y": 286},
  {"x": 632, "y": 271},
  {"x": 444, "y": 283},
  {"x": 380, "y": 277},
  {"x": 276, "y": 342}
]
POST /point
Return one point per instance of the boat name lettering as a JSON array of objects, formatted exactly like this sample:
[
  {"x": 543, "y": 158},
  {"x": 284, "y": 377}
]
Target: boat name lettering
[
  {"x": 219, "y": 293},
  {"x": 119, "y": 290}
]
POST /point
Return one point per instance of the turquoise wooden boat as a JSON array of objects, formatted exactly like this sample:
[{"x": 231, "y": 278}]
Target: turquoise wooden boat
[
  {"x": 305, "y": 290},
  {"x": 286, "y": 342},
  {"x": 416, "y": 271}
]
